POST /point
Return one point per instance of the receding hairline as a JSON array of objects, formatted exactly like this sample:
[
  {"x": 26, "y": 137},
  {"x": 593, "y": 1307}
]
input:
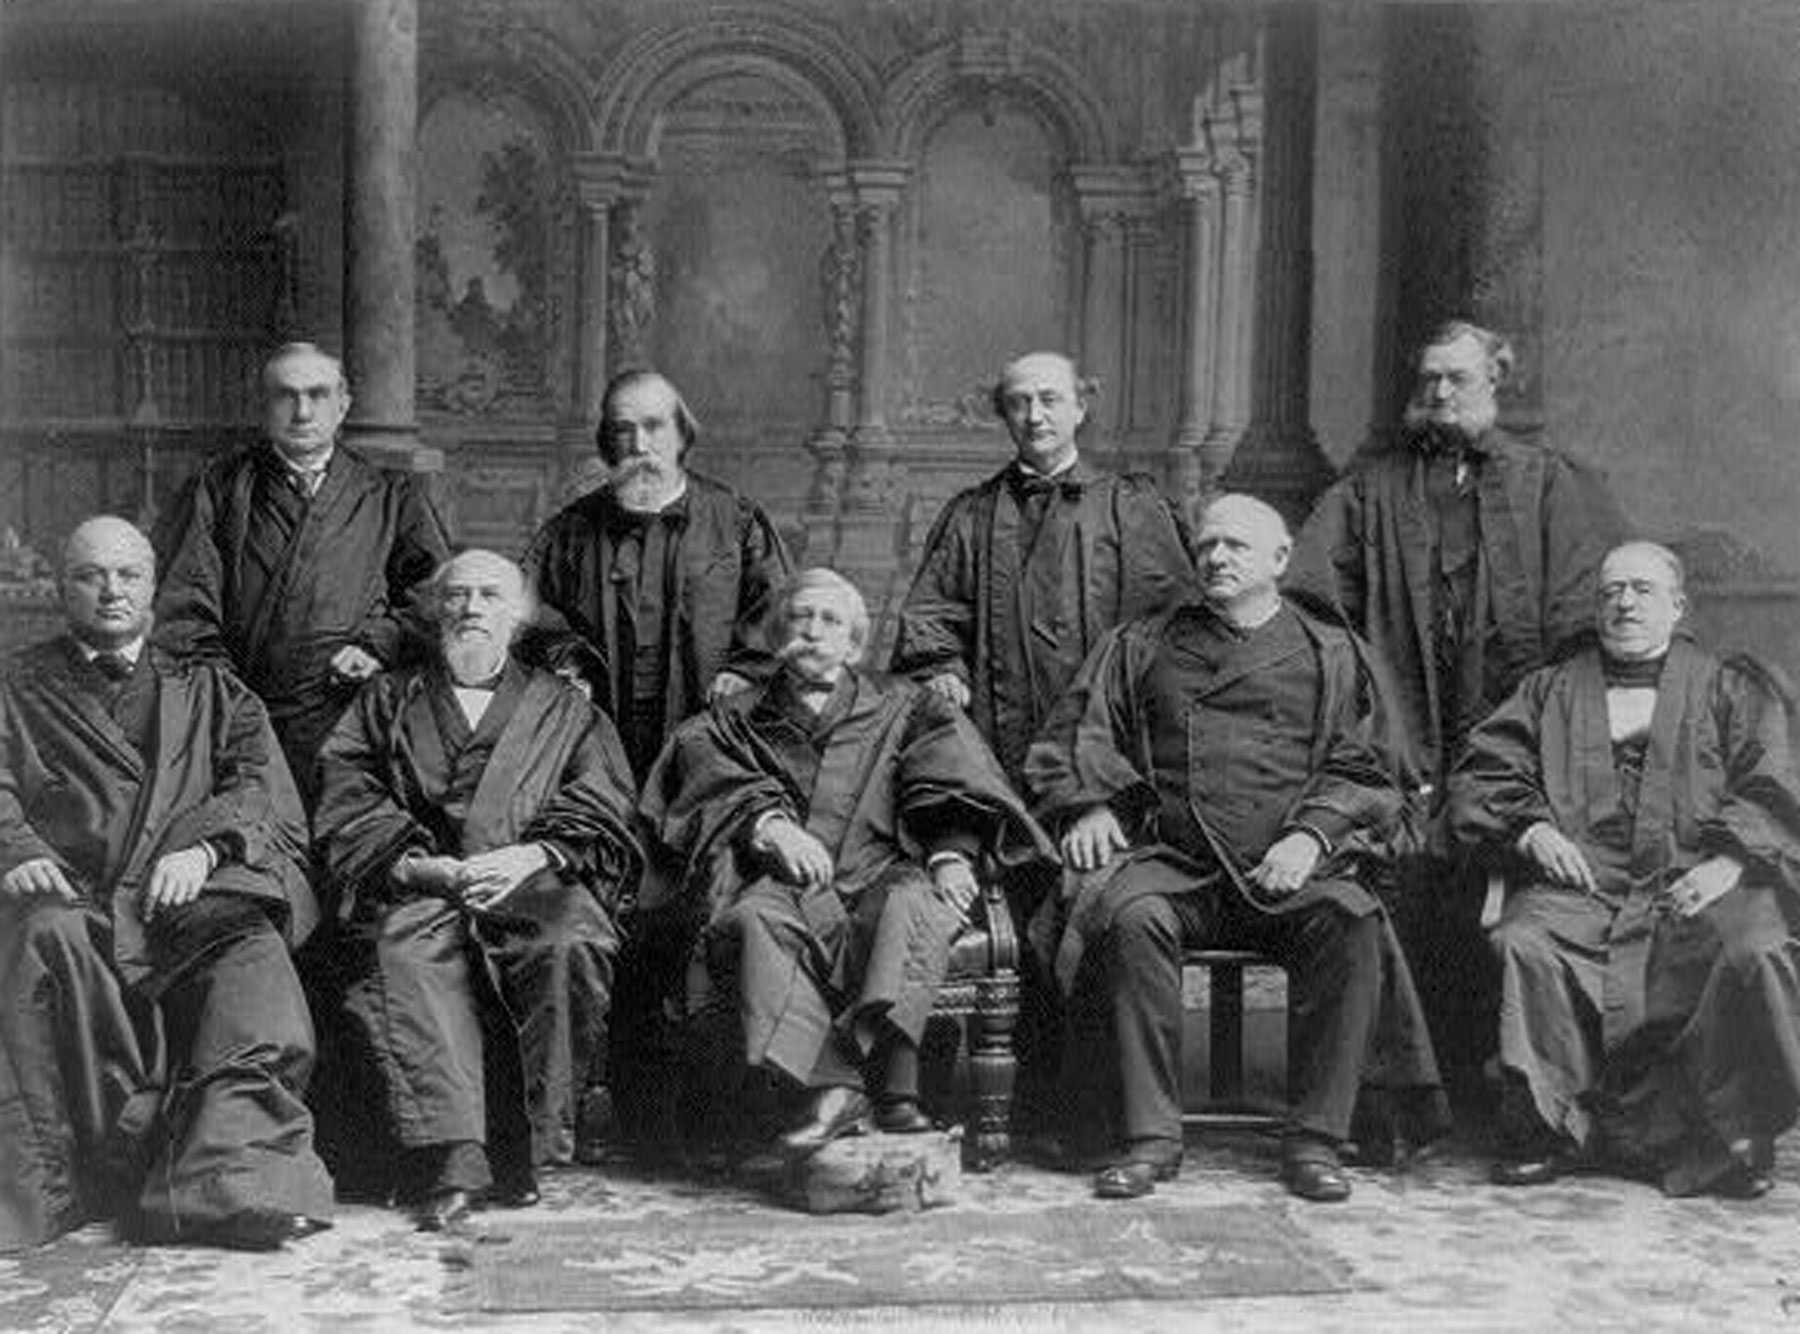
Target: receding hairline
[
  {"x": 97, "y": 528},
  {"x": 1265, "y": 513},
  {"x": 1018, "y": 366},
  {"x": 511, "y": 568},
  {"x": 301, "y": 351},
  {"x": 1671, "y": 563}
]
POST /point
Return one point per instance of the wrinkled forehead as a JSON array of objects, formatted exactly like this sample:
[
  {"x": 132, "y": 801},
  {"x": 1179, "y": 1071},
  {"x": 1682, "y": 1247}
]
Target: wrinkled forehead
[
  {"x": 482, "y": 570},
  {"x": 109, "y": 546},
  {"x": 301, "y": 370},
  {"x": 825, "y": 596},
  {"x": 1636, "y": 564},
  {"x": 1032, "y": 375},
  {"x": 1243, "y": 521},
  {"x": 1463, "y": 352},
  {"x": 640, "y": 400}
]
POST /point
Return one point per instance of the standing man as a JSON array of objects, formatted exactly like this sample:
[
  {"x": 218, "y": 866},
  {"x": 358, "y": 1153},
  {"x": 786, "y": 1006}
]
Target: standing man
[
  {"x": 475, "y": 820},
  {"x": 1642, "y": 796},
  {"x": 1215, "y": 778},
  {"x": 830, "y": 825},
  {"x": 154, "y": 1040},
  {"x": 1465, "y": 556},
  {"x": 668, "y": 575},
  {"x": 1022, "y": 575},
  {"x": 293, "y": 560}
]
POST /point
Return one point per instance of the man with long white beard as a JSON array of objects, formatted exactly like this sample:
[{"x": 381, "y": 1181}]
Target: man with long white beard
[
  {"x": 1641, "y": 797},
  {"x": 830, "y": 825},
  {"x": 668, "y": 575},
  {"x": 475, "y": 818}
]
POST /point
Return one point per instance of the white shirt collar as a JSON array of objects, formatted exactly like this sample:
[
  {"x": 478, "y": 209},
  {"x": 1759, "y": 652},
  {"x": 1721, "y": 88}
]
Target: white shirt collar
[
  {"x": 130, "y": 652},
  {"x": 1027, "y": 470}
]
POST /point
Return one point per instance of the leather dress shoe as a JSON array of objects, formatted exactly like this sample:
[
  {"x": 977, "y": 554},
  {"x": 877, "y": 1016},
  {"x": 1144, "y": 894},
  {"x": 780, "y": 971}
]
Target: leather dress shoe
[
  {"x": 1539, "y": 1170},
  {"x": 1136, "y": 1174},
  {"x": 514, "y": 1194},
  {"x": 901, "y": 1117},
  {"x": 261, "y": 1230},
  {"x": 443, "y": 1210},
  {"x": 836, "y": 1112},
  {"x": 1316, "y": 1175},
  {"x": 1742, "y": 1181}
]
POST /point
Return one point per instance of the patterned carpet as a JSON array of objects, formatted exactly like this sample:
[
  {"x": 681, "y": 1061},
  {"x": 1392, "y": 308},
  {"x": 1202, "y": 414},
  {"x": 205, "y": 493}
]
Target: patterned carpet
[{"x": 1436, "y": 1248}]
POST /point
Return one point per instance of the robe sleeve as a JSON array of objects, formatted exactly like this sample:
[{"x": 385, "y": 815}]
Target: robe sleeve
[
  {"x": 1758, "y": 822},
  {"x": 590, "y": 816},
  {"x": 360, "y": 826},
  {"x": 1580, "y": 523},
  {"x": 1090, "y": 750},
  {"x": 763, "y": 567},
  {"x": 1497, "y": 788},
  {"x": 952, "y": 794},
  {"x": 1353, "y": 789},
  {"x": 20, "y": 842},
  {"x": 190, "y": 597},
  {"x": 1156, "y": 551},
  {"x": 420, "y": 544},
  {"x": 936, "y": 631}
]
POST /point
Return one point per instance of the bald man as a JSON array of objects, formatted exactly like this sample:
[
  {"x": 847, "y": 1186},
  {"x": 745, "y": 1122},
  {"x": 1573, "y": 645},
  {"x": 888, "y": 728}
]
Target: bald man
[
  {"x": 474, "y": 821},
  {"x": 665, "y": 575},
  {"x": 1215, "y": 780},
  {"x": 1641, "y": 798},
  {"x": 294, "y": 560},
  {"x": 829, "y": 826},
  {"x": 154, "y": 1041}
]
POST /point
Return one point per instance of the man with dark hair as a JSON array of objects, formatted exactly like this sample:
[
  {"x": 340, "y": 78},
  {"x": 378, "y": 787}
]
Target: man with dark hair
[
  {"x": 667, "y": 575},
  {"x": 154, "y": 1040},
  {"x": 293, "y": 561},
  {"x": 828, "y": 825},
  {"x": 1640, "y": 798},
  {"x": 475, "y": 820},
  {"x": 1217, "y": 780},
  {"x": 1021, "y": 575},
  {"x": 1465, "y": 556}
]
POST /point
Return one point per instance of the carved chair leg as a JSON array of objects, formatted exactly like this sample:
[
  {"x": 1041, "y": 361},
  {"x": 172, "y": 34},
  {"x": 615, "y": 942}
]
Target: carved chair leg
[{"x": 992, "y": 1068}]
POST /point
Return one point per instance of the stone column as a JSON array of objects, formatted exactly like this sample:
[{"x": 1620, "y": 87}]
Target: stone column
[
  {"x": 1277, "y": 457},
  {"x": 1235, "y": 133},
  {"x": 1200, "y": 194},
  {"x": 877, "y": 188},
  {"x": 840, "y": 275},
  {"x": 1105, "y": 196},
  {"x": 598, "y": 183},
  {"x": 379, "y": 233}
]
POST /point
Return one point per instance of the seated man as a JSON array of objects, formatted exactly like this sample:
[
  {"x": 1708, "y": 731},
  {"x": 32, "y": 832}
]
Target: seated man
[
  {"x": 154, "y": 1041},
  {"x": 476, "y": 820},
  {"x": 1214, "y": 773},
  {"x": 1642, "y": 795},
  {"x": 832, "y": 821}
]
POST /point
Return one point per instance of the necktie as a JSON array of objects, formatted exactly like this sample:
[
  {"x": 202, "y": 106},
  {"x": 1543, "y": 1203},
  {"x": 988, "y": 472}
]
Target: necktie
[{"x": 113, "y": 666}]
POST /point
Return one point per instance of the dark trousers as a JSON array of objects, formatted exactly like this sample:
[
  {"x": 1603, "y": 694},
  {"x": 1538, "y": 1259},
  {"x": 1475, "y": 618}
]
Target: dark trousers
[{"x": 1334, "y": 989}]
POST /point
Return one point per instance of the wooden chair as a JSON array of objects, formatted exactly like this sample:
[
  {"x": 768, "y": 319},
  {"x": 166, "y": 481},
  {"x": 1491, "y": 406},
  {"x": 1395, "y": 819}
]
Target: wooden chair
[
  {"x": 1227, "y": 1107},
  {"x": 980, "y": 995}
]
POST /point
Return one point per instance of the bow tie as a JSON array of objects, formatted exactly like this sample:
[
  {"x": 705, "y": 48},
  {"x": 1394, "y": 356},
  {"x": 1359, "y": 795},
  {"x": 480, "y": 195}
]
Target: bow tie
[
  {"x": 113, "y": 666},
  {"x": 1030, "y": 484}
]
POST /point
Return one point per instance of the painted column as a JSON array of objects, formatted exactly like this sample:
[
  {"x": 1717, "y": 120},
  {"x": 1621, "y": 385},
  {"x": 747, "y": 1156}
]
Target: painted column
[
  {"x": 379, "y": 233},
  {"x": 840, "y": 275},
  {"x": 877, "y": 188},
  {"x": 1105, "y": 196},
  {"x": 1198, "y": 187}
]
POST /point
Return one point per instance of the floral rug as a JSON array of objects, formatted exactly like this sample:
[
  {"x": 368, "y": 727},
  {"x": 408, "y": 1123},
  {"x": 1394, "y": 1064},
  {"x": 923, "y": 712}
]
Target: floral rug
[
  {"x": 1156, "y": 1252},
  {"x": 68, "y": 1287}
]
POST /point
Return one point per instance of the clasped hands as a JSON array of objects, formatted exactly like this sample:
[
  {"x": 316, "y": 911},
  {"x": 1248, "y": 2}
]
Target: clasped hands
[
  {"x": 1097, "y": 836},
  {"x": 800, "y": 859},
  {"x": 1562, "y": 859},
  {"x": 176, "y": 879},
  {"x": 479, "y": 883}
]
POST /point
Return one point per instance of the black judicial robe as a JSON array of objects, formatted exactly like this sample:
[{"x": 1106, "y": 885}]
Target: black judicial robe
[
  {"x": 1015, "y": 618},
  {"x": 274, "y": 583},
  {"x": 80, "y": 1103},
  {"x": 723, "y": 564},
  {"x": 1685, "y": 1062},
  {"x": 1189, "y": 730},
  {"x": 402, "y": 770},
  {"x": 880, "y": 777},
  {"x": 1544, "y": 523}
]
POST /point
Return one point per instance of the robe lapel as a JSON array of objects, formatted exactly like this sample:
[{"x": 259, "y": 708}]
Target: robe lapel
[
  {"x": 333, "y": 495},
  {"x": 1240, "y": 659},
  {"x": 1409, "y": 535},
  {"x": 1505, "y": 492},
  {"x": 506, "y": 784},
  {"x": 843, "y": 759},
  {"x": 131, "y": 946}
]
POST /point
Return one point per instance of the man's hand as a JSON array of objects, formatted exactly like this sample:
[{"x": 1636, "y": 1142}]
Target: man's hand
[
  {"x": 351, "y": 663},
  {"x": 800, "y": 857},
  {"x": 1712, "y": 879},
  {"x": 1092, "y": 840},
  {"x": 952, "y": 687},
  {"x": 727, "y": 684},
  {"x": 1287, "y": 864},
  {"x": 954, "y": 880},
  {"x": 488, "y": 877},
  {"x": 429, "y": 875},
  {"x": 176, "y": 879},
  {"x": 40, "y": 875},
  {"x": 1558, "y": 855}
]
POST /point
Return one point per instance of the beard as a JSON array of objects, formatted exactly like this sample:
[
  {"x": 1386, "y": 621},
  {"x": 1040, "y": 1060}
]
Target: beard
[
  {"x": 472, "y": 658},
  {"x": 1435, "y": 437},
  {"x": 643, "y": 484}
]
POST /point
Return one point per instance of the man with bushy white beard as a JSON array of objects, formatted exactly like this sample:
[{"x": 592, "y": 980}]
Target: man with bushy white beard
[
  {"x": 475, "y": 819},
  {"x": 666, "y": 574}
]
